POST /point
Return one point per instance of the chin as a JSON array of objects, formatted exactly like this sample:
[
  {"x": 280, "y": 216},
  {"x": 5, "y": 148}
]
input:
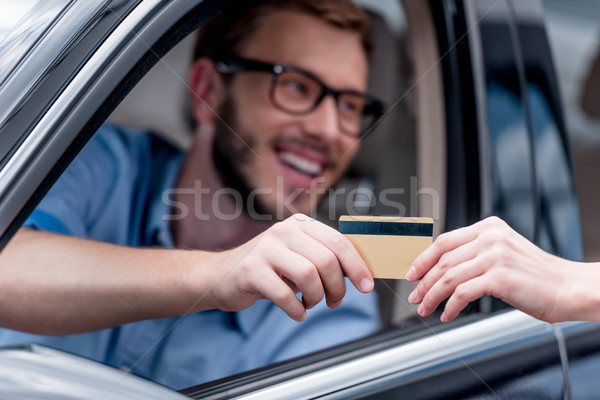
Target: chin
[{"x": 287, "y": 199}]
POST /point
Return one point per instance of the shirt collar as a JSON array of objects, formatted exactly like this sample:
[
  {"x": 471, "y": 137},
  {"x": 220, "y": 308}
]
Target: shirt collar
[{"x": 160, "y": 232}]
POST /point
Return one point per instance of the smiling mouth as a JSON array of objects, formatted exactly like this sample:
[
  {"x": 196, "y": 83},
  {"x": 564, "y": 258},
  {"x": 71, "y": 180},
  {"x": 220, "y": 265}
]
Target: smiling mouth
[{"x": 301, "y": 164}]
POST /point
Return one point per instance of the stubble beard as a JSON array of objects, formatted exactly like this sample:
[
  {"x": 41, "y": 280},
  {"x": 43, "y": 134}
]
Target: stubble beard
[{"x": 230, "y": 152}]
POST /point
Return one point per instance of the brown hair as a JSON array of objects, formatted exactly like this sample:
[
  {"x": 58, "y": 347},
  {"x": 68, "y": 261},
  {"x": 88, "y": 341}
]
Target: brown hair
[{"x": 224, "y": 36}]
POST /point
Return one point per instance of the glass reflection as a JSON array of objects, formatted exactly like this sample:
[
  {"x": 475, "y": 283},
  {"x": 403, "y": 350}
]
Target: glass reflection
[
  {"x": 510, "y": 145},
  {"x": 559, "y": 228}
]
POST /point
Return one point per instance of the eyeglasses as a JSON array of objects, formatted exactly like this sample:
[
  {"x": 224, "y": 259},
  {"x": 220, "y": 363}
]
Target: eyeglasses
[{"x": 299, "y": 92}]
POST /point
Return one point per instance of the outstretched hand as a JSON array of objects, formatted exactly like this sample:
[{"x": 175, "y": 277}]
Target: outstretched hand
[
  {"x": 490, "y": 258},
  {"x": 296, "y": 255}
]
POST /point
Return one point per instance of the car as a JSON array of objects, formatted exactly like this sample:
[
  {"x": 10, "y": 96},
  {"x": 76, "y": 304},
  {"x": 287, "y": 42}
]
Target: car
[{"x": 476, "y": 127}]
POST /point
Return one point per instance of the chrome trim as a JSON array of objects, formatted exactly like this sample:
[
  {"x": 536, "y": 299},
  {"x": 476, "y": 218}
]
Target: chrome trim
[
  {"x": 29, "y": 30},
  {"x": 457, "y": 344},
  {"x": 37, "y": 372},
  {"x": 43, "y": 128},
  {"x": 47, "y": 47},
  {"x": 477, "y": 66},
  {"x": 564, "y": 360}
]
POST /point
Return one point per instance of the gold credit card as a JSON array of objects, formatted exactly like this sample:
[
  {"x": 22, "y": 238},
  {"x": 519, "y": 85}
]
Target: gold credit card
[{"x": 389, "y": 245}]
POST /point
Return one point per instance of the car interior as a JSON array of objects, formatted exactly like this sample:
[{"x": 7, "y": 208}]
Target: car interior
[{"x": 405, "y": 152}]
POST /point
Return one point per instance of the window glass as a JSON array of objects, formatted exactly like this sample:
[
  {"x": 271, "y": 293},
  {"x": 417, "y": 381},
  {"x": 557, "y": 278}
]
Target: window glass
[
  {"x": 559, "y": 229},
  {"x": 525, "y": 131},
  {"x": 510, "y": 143},
  {"x": 574, "y": 35},
  {"x": 559, "y": 217}
]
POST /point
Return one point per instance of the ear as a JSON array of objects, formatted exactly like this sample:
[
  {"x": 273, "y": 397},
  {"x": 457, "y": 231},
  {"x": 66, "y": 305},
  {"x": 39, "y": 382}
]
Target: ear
[{"x": 206, "y": 90}]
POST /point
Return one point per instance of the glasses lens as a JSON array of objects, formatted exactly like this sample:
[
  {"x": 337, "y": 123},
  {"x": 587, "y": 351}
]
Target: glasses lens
[
  {"x": 299, "y": 93},
  {"x": 295, "y": 92}
]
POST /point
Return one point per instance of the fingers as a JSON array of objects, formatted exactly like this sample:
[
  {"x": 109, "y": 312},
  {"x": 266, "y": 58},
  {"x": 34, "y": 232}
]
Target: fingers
[
  {"x": 303, "y": 255},
  {"x": 444, "y": 243},
  {"x": 272, "y": 287},
  {"x": 302, "y": 274},
  {"x": 449, "y": 241},
  {"x": 348, "y": 258},
  {"x": 449, "y": 284},
  {"x": 327, "y": 267},
  {"x": 461, "y": 265},
  {"x": 464, "y": 294},
  {"x": 443, "y": 268}
]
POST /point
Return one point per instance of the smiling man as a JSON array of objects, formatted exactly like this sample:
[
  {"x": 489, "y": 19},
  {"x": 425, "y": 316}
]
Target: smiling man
[
  {"x": 286, "y": 125},
  {"x": 136, "y": 231}
]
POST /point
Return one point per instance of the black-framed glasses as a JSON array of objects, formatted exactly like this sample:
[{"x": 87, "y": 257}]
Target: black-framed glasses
[{"x": 298, "y": 92}]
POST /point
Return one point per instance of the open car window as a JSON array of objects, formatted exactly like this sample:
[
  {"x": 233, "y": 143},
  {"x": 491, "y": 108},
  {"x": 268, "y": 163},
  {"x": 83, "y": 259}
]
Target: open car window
[{"x": 384, "y": 179}]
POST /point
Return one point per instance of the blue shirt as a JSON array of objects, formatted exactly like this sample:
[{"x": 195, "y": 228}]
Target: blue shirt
[{"x": 113, "y": 192}]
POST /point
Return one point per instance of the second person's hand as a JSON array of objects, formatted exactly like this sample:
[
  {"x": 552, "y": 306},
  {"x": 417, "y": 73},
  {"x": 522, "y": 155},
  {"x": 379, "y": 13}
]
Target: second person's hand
[{"x": 490, "y": 258}]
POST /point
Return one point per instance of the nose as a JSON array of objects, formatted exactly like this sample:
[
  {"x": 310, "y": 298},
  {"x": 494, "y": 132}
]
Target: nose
[{"x": 322, "y": 122}]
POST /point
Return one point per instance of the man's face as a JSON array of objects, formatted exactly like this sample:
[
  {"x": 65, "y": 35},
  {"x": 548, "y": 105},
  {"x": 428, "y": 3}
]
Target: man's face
[{"x": 290, "y": 160}]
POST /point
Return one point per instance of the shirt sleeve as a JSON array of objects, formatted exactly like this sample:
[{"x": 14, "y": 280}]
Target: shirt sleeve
[{"x": 75, "y": 200}]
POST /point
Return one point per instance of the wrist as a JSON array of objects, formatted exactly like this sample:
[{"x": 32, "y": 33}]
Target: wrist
[
  {"x": 199, "y": 279},
  {"x": 581, "y": 295}
]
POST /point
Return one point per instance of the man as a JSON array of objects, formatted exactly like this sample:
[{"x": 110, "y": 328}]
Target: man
[{"x": 278, "y": 97}]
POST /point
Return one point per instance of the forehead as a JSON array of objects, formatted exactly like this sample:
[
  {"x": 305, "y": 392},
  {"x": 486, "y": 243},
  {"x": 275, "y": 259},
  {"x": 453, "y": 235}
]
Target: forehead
[{"x": 301, "y": 40}]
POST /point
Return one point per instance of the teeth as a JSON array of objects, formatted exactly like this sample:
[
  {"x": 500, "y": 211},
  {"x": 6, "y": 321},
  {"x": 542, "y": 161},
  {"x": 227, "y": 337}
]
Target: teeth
[{"x": 302, "y": 164}]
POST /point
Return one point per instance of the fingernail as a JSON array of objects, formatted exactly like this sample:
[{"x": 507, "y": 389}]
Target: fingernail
[
  {"x": 413, "y": 297},
  {"x": 443, "y": 317},
  {"x": 366, "y": 285},
  {"x": 303, "y": 317},
  {"x": 411, "y": 275},
  {"x": 421, "y": 309}
]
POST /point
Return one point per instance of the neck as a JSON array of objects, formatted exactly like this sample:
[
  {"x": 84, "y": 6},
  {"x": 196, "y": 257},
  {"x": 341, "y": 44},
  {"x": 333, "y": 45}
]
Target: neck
[{"x": 214, "y": 220}]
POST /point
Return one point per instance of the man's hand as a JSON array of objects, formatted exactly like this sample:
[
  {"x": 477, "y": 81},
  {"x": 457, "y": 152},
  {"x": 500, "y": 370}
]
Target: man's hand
[
  {"x": 82, "y": 285},
  {"x": 489, "y": 258},
  {"x": 299, "y": 254}
]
